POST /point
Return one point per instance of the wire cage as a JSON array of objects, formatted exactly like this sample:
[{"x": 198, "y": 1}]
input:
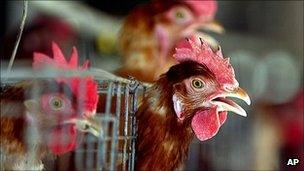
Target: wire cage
[{"x": 114, "y": 149}]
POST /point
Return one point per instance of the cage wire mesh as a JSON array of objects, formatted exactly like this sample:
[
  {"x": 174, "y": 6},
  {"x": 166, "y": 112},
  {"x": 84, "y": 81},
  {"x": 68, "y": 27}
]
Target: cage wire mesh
[{"x": 114, "y": 148}]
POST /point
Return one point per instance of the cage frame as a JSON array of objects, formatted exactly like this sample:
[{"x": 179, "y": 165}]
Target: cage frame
[{"x": 131, "y": 90}]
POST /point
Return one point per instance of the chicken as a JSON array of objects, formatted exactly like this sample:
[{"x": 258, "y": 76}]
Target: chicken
[
  {"x": 42, "y": 118},
  {"x": 190, "y": 99},
  {"x": 150, "y": 33}
]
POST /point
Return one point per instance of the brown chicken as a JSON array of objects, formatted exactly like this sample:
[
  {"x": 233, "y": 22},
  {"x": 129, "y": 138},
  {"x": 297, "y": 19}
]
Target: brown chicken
[
  {"x": 41, "y": 117},
  {"x": 190, "y": 99},
  {"x": 151, "y": 31}
]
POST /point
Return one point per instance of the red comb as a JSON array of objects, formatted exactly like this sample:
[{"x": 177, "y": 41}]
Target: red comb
[
  {"x": 206, "y": 8},
  {"x": 59, "y": 62},
  {"x": 197, "y": 50}
]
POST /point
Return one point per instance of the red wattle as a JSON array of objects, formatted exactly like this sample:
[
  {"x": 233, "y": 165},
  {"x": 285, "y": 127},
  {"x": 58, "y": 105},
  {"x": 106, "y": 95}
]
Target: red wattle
[
  {"x": 207, "y": 123},
  {"x": 62, "y": 139}
]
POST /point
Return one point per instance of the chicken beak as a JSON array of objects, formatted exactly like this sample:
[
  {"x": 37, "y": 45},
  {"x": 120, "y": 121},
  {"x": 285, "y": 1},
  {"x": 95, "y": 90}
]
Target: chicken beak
[
  {"x": 212, "y": 26},
  {"x": 90, "y": 125},
  {"x": 207, "y": 25},
  {"x": 239, "y": 93},
  {"x": 225, "y": 104},
  {"x": 202, "y": 26}
]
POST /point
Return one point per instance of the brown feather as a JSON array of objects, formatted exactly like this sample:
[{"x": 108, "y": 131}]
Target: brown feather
[
  {"x": 12, "y": 120},
  {"x": 13, "y": 143},
  {"x": 138, "y": 44},
  {"x": 163, "y": 141}
]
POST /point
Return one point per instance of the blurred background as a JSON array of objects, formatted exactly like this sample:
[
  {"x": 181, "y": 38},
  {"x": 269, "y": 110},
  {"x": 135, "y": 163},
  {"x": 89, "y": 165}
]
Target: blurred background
[{"x": 264, "y": 40}]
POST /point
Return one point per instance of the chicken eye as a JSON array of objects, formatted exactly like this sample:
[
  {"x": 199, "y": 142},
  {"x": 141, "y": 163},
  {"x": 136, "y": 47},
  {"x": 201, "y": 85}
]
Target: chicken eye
[
  {"x": 56, "y": 103},
  {"x": 179, "y": 14},
  {"x": 196, "y": 83}
]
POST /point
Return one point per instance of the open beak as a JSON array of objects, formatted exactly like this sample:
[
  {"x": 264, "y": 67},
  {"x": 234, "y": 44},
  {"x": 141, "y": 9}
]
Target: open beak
[{"x": 225, "y": 104}]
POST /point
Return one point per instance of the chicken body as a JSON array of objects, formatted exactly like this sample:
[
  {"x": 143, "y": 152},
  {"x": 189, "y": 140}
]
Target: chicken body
[
  {"x": 151, "y": 31},
  {"x": 25, "y": 133},
  {"x": 190, "y": 99},
  {"x": 163, "y": 139},
  {"x": 42, "y": 117},
  {"x": 162, "y": 142},
  {"x": 14, "y": 155}
]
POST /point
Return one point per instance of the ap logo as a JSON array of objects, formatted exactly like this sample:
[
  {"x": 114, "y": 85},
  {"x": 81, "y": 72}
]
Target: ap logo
[{"x": 293, "y": 162}]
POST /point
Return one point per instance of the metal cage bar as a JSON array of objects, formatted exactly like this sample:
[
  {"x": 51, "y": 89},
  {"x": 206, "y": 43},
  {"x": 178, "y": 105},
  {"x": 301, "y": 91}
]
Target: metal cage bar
[
  {"x": 125, "y": 142},
  {"x": 115, "y": 149}
]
